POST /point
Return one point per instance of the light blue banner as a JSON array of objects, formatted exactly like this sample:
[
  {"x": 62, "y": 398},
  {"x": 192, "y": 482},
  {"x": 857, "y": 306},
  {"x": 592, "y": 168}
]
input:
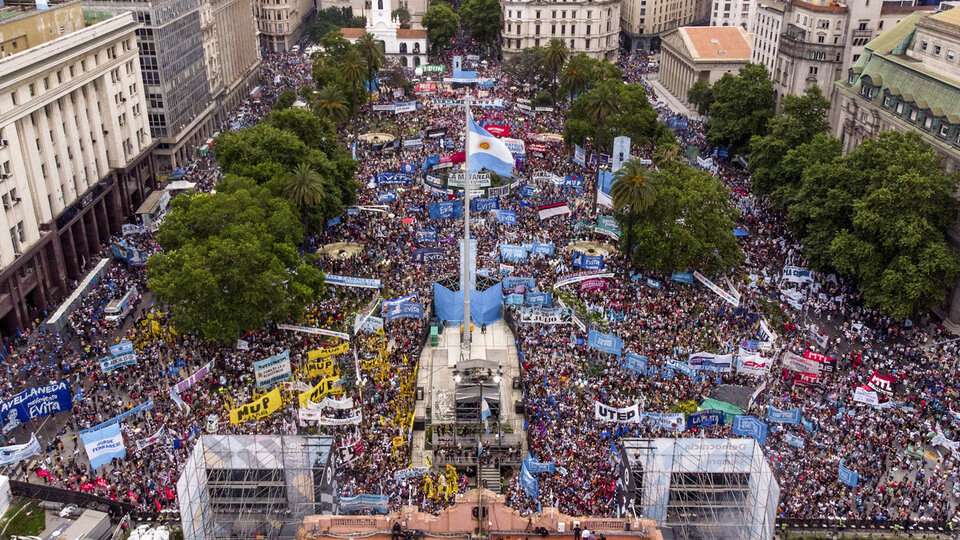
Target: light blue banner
[
  {"x": 682, "y": 277},
  {"x": 512, "y": 253},
  {"x": 404, "y": 310},
  {"x": 793, "y": 440},
  {"x": 514, "y": 299},
  {"x": 347, "y": 281},
  {"x": 588, "y": 262},
  {"x": 539, "y": 299},
  {"x": 605, "y": 343},
  {"x": 104, "y": 445},
  {"x": 446, "y": 210},
  {"x": 848, "y": 476},
  {"x": 118, "y": 418},
  {"x": 749, "y": 426},
  {"x": 541, "y": 249},
  {"x": 507, "y": 217},
  {"x": 635, "y": 362},
  {"x": 783, "y": 417}
]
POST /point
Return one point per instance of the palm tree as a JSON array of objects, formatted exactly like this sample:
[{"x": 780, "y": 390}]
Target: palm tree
[
  {"x": 634, "y": 190},
  {"x": 304, "y": 188},
  {"x": 554, "y": 57},
  {"x": 354, "y": 73},
  {"x": 666, "y": 156},
  {"x": 576, "y": 75},
  {"x": 372, "y": 52},
  {"x": 602, "y": 103},
  {"x": 331, "y": 104}
]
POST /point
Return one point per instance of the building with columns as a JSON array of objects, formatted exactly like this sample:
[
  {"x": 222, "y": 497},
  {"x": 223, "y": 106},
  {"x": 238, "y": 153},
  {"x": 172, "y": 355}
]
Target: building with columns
[
  {"x": 75, "y": 159},
  {"x": 592, "y": 28},
  {"x": 693, "y": 53}
]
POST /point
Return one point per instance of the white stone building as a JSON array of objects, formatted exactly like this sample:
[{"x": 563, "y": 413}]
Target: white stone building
[
  {"x": 592, "y": 28},
  {"x": 644, "y": 22},
  {"x": 408, "y": 47},
  {"x": 75, "y": 158},
  {"x": 734, "y": 13}
]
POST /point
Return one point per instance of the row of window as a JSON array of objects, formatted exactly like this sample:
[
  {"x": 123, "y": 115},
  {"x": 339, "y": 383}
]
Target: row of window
[
  {"x": 921, "y": 117},
  {"x": 34, "y": 88},
  {"x": 553, "y": 14},
  {"x": 937, "y": 49},
  {"x": 553, "y": 29},
  {"x": 600, "y": 43}
]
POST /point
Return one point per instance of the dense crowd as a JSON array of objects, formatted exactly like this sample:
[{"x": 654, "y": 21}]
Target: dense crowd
[{"x": 902, "y": 476}]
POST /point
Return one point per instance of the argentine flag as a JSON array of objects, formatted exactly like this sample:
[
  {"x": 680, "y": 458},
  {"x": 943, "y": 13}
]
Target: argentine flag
[{"x": 486, "y": 151}]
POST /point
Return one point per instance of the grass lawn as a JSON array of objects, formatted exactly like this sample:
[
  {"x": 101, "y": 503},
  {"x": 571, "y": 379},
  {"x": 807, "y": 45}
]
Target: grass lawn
[{"x": 24, "y": 518}]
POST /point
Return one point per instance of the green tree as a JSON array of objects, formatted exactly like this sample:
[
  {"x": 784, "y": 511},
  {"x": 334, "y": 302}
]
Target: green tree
[
  {"x": 442, "y": 24},
  {"x": 799, "y": 121},
  {"x": 372, "y": 52},
  {"x": 334, "y": 45},
  {"x": 577, "y": 75},
  {"x": 527, "y": 68},
  {"x": 741, "y": 106},
  {"x": 554, "y": 56},
  {"x": 690, "y": 225},
  {"x": 881, "y": 214},
  {"x": 334, "y": 19},
  {"x": 304, "y": 188},
  {"x": 701, "y": 96},
  {"x": 230, "y": 262},
  {"x": 258, "y": 144},
  {"x": 331, "y": 105},
  {"x": 634, "y": 190},
  {"x": 285, "y": 99},
  {"x": 483, "y": 19},
  {"x": 402, "y": 14},
  {"x": 634, "y": 118},
  {"x": 309, "y": 128},
  {"x": 355, "y": 73}
]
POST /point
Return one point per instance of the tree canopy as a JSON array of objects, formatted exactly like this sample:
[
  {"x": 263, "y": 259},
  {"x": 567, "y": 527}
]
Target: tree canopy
[
  {"x": 880, "y": 214},
  {"x": 741, "y": 106},
  {"x": 442, "y": 24},
  {"x": 634, "y": 116},
  {"x": 334, "y": 19},
  {"x": 483, "y": 19},
  {"x": 230, "y": 263},
  {"x": 701, "y": 96},
  {"x": 689, "y": 224}
]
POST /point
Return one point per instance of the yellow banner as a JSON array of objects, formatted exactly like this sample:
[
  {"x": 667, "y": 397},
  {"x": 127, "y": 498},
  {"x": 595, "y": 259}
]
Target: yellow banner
[
  {"x": 318, "y": 392},
  {"x": 322, "y": 368},
  {"x": 323, "y": 353},
  {"x": 261, "y": 407}
]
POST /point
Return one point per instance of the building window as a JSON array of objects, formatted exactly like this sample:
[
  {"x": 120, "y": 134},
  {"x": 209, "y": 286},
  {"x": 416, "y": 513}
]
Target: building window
[
  {"x": 587, "y": 46},
  {"x": 923, "y": 45},
  {"x": 936, "y": 50},
  {"x": 913, "y": 115},
  {"x": 899, "y": 108},
  {"x": 944, "y": 129},
  {"x": 927, "y": 122},
  {"x": 537, "y": 29},
  {"x": 13, "y": 97},
  {"x": 950, "y": 54},
  {"x": 851, "y": 78},
  {"x": 814, "y": 70},
  {"x": 886, "y": 102},
  {"x": 553, "y": 29}
]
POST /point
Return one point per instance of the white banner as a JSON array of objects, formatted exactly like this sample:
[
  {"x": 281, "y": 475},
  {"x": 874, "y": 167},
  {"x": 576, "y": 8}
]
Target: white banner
[
  {"x": 865, "y": 396},
  {"x": 315, "y": 331},
  {"x": 324, "y": 421},
  {"x": 296, "y": 386},
  {"x": 328, "y": 402},
  {"x": 144, "y": 443},
  {"x": 627, "y": 415},
  {"x": 570, "y": 279},
  {"x": 796, "y": 274},
  {"x": 753, "y": 364},
  {"x": 272, "y": 369},
  {"x": 10, "y": 455},
  {"x": 532, "y": 315},
  {"x": 716, "y": 289},
  {"x": 795, "y": 362},
  {"x": 765, "y": 333}
]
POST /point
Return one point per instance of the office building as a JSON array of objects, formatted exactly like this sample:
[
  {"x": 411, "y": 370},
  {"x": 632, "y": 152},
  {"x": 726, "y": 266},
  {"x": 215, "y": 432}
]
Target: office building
[
  {"x": 282, "y": 23},
  {"x": 231, "y": 51},
  {"x": 591, "y": 28},
  {"x": 693, "y": 53},
  {"x": 179, "y": 104},
  {"x": 644, "y": 22},
  {"x": 75, "y": 157}
]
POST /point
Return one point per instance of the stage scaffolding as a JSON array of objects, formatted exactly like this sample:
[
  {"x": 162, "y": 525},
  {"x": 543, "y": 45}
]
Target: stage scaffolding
[
  {"x": 703, "y": 489},
  {"x": 255, "y": 486}
]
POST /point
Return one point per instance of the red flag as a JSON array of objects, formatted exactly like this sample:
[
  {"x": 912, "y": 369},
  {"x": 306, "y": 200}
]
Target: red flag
[
  {"x": 102, "y": 482},
  {"x": 43, "y": 473},
  {"x": 131, "y": 495},
  {"x": 156, "y": 502},
  {"x": 170, "y": 495},
  {"x": 86, "y": 486}
]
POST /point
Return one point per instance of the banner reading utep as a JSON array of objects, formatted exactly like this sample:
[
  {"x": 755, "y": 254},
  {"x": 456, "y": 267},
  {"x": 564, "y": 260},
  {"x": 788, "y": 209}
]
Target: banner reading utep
[
  {"x": 261, "y": 407},
  {"x": 604, "y": 342},
  {"x": 627, "y": 415}
]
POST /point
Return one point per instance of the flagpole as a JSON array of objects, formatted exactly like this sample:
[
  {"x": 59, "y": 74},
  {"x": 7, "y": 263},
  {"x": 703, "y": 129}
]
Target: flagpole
[{"x": 465, "y": 259}]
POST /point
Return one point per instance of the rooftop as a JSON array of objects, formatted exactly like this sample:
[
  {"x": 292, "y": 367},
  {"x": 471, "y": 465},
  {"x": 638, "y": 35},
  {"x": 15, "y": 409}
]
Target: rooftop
[
  {"x": 726, "y": 43},
  {"x": 353, "y": 33},
  {"x": 404, "y": 33},
  {"x": 832, "y": 7},
  {"x": 950, "y": 16}
]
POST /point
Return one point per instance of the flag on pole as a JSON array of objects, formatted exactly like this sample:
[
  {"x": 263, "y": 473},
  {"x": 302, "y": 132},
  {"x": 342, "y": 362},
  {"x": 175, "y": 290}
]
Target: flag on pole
[
  {"x": 485, "y": 413},
  {"x": 486, "y": 151}
]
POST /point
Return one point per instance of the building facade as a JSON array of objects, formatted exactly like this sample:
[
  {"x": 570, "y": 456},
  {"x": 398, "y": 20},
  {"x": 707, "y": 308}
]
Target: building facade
[
  {"x": 644, "y": 22},
  {"x": 767, "y": 27},
  {"x": 591, "y": 28},
  {"x": 734, "y": 13},
  {"x": 231, "y": 52},
  {"x": 282, "y": 23},
  {"x": 407, "y": 47},
  {"x": 416, "y": 8},
  {"x": 21, "y": 30},
  {"x": 695, "y": 53},
  {"x": 179, "y": 104},
  {"x": 75, "y": 158}
]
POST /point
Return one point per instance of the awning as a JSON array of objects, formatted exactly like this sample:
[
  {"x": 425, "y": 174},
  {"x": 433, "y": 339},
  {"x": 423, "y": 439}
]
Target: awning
[
  {"x": 894, "y": 91},
  {"x": 857, "y": 69},
  {"x": 922, "y": 103},
  {"x": 937, "y": 111},
  {"x": 908, "y": 97},
  {"x": 876, "y": 78},
  {"x": 953, "y": 119}
]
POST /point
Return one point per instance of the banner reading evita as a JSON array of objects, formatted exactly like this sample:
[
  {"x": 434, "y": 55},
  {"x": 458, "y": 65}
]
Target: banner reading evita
[{"x": 261, "y": 407}]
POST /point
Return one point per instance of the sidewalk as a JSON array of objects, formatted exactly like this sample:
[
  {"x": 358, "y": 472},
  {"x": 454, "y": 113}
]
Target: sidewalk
[{"x": 671, "y": 100}]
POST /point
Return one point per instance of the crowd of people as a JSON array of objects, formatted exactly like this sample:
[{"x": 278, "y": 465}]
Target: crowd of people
[{"x": 901, "y": 474}]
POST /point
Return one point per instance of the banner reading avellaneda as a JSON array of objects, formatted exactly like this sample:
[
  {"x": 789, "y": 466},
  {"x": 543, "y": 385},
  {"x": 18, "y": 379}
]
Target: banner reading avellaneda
[{"x": 35, "y": 403}]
